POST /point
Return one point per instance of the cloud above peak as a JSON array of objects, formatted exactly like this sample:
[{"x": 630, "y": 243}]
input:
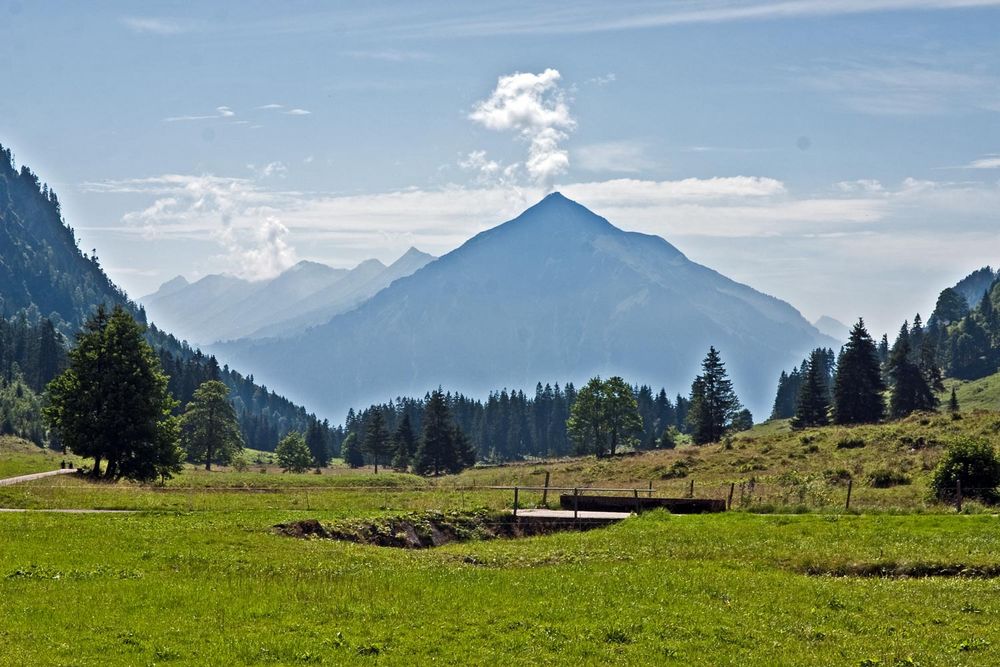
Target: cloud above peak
[{"x": 533, "y": 106}]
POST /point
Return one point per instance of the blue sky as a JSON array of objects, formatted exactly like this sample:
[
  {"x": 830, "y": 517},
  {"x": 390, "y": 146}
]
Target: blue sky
[{"x": 842, "y": 155}]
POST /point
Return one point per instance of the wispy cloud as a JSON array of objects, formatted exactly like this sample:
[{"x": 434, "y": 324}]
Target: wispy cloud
[
  {"x": 902, "y": 86},
  {"x": 220, "y": 112},
  {"x": 991, "y": 161},
  {"x": 271, "y": 106},
  {"x": 389, "y": 55},
  {"x": 627, "y": 157},
  {"x": 297, "y": 112},
  {"x": 158, "y": 26}
]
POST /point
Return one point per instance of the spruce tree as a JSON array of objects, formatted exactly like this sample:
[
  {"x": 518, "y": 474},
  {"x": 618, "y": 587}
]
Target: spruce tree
[
  {"x": 953, "y": 407},
  {"x": 858, "y": 385},
  {"x": 351, "y": 452},
  {"x": 813, "y": 406},
  {"x": 316, "y": 441},
  {"x": 443, "y": 447},
  {"x": 210, "y": 432},
  {"x": 404, "y": 444},
  {"x": 376, "y": 443},
  {"x": 714, "y": 403},
  {"x": 910, "y": 389}
]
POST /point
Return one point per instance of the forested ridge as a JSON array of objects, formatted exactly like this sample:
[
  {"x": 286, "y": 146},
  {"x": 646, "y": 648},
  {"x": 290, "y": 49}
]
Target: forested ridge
[{"x": 48, "y": 290}]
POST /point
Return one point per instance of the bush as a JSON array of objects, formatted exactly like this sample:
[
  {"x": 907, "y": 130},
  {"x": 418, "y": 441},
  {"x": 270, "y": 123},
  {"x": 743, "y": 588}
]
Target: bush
[
  {"x": 975, "y": 464},
  {"x": 885, "y": 478},
  {"x": 850, "y": 443}
]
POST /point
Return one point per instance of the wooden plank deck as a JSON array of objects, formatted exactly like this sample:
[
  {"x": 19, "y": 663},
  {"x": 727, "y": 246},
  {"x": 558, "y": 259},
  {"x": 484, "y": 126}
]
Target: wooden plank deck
[{"x": 567, "y": 515}]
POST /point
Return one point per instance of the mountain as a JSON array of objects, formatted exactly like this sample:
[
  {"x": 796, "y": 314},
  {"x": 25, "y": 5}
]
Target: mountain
[
  {"x": 366, "y": 280},
  {"x": 977, "y": 283},
  {"x": 46, "y": 283},
  {"x": 833, "y": 328},
  {"x": 556, "y": 293},
  {"x": 223, "y": 307}
]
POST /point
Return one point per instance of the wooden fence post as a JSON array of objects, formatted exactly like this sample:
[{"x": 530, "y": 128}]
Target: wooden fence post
[
  {"x": 545, "y": 492},
  {"x": 650, "y": 488},
  {"x": 636, "y": 492},
  {"x": 850, "y": 486},
  {"x": 958, "y": 494},
  {"x": 515, "y": 501},
  {"x": 576, "y": 502},
  {"x": 729, "y": 502},
  {"x": 691, "y": 490}
]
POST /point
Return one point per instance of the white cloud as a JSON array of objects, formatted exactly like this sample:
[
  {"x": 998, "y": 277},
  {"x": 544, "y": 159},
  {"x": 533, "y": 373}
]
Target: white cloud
[
  {"x": 533, "y": 106},
  {"x": 157, "y": 26},
  {"x": 613, "y": 156},
  {"x": 604, "y": 79},
  {"x": 220, "y": 112},
  {"x": 234, "y": 212},
  {"x": 297, "y": 112},
  {"x": 269, "y": 169},
  {"x": 989, "y": 162},
  {"x": 271, "y": 106},
  {"x": 860, "y": 185}
]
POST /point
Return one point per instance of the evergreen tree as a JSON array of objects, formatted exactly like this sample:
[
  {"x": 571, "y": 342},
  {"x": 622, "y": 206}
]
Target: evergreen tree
[
  {"x": 813, "y": 405},
  {"x": 443, "y": 448},
  {"x": 351, "y": 452},
  {"x": 209, "y": 430},
  {"x": 293, "y": 453},
  {"x": 953, "y": 407},
  {"x": 951, "y": 307},
  {"x": 316, "y": 441},
  {"x": 910, "y": 390},
  {"x": 714, "y": 404},
  {"x": 112, "y": 402},
  {"x": 404, "y": 443},
  {"x": 376, "y": 443},
  {"x": 858, "y": 385}
]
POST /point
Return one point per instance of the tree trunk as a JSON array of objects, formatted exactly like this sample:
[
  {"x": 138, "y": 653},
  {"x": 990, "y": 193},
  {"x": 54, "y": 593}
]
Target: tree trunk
[{"x": 96, "y": 472}]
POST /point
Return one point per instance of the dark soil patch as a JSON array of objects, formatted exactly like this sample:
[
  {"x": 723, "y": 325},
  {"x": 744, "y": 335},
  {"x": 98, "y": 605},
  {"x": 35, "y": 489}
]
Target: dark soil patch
[
  {"x": 904, "y": 570},
  {"x": 429, "y": 529}
]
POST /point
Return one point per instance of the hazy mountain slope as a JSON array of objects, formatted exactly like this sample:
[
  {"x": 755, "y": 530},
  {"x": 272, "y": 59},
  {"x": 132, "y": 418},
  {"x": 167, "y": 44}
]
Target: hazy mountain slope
[
  {"x": 366, "y": 280},
  {"x": 974, "y": 285},
  {"x": 833, "y": 328},
  {"x": 234, "y": 319},
  {"x": 557, "y": 293},
  {"x": 186, "y": 310}
]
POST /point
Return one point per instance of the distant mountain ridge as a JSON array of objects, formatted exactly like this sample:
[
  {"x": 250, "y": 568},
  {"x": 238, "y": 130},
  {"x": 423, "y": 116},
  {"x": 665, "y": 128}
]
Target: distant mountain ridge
[
  {"x": 556, "y": 292},
  {"x": 223, "y": 307},
  {"x": 833, "y": 328}
]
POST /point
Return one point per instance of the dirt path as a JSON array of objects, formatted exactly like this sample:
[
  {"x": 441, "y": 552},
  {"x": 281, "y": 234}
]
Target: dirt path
[{"x": 38, "y": 475}]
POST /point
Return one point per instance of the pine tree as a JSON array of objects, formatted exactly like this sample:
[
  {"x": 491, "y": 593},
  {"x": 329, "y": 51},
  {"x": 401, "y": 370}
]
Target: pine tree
[
  {"x": 210, "y": 432},
  {"x": 351, "y": 452},
  {"x": 316, "y": 441},
  {"x": 443, "y": 448},
  {"x": 910, "y": 390},
  {"x": 112, "y": 402},
  {"x": 953, "y": 407},
  {"x": 813, "y": 405},
  {"x": 621, "y": 413},
  {"x": 714, "y": 403},
  {"x": 858, "y": 385},
  {"x": 404, "y": 443},
  {"x": 376, "y": 443}
]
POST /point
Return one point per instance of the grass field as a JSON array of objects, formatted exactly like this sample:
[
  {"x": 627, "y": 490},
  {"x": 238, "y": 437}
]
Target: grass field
[
  {"x": 219, "y": 588},
  {"x": 196, "y": 576},
  {"x": 20, "y": 457}
]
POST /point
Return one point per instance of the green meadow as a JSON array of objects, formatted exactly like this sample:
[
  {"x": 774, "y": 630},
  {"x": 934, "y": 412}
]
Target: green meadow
[{"x": 194, "y": 573}]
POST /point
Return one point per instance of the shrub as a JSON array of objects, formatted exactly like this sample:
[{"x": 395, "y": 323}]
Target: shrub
[
  {"x": 975, "y": 464},
  {"x": 850, "y": 443},
  {"x": 885, "y": 478}
]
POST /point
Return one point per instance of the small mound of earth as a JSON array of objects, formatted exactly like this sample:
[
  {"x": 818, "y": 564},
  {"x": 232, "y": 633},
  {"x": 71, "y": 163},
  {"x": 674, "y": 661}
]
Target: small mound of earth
[
  {"x": 424, "y": 530},
  {"x": 905, "y": 570}
]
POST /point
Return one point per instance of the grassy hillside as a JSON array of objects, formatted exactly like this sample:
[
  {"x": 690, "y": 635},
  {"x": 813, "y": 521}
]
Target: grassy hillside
[
  {"x": 20, "y": 457},
  {"x": 982, "y": 394}
]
